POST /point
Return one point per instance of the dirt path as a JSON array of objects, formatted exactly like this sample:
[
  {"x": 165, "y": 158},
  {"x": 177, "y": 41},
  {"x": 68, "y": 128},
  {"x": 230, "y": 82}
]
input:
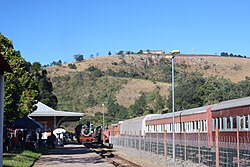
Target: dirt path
[{"x": 71, "y": 155}]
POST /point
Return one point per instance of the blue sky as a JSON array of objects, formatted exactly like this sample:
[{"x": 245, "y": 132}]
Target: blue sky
[{"x": 48, "y": 31}]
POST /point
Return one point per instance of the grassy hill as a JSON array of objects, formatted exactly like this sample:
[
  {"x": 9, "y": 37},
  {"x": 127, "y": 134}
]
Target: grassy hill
[{"x": 125, "y": 77}]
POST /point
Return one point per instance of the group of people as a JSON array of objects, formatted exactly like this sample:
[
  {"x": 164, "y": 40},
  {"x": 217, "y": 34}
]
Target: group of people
[
  {"x": 29, "y": 139},
  {"x": 10, "y": 143},
  {"x": 21, "y": 139}
]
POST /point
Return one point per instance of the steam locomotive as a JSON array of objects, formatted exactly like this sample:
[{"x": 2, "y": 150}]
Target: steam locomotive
[{"x": 86, "y": 133}]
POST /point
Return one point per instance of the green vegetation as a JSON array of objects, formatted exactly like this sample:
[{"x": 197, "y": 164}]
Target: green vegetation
[
  {"x": 79, "y": 57},
  {"x": 225, "y": 54},
  {"x": 89, "y": 88},
  {"x": 161, "y": 73},
  {"x": 56, "y": 63},
  {"x": 92, "y": 87},
  {"x": 125, "y": 74},
  {"x": 22, "y": 159},
  {"x": 72, "y": 66},
  {"x": 27, "y": 83},
  {"x": 193, "y": 90},
  {"x": 116, "y": 112},
  {"x": 139, "y": 107}
]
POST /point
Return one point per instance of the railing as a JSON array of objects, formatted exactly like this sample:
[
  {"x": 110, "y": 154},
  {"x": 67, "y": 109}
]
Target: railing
[{"x": 191, "y": 149}]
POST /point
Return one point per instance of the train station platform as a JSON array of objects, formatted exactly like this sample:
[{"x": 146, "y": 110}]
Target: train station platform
[{"x": 74, "y": 155}]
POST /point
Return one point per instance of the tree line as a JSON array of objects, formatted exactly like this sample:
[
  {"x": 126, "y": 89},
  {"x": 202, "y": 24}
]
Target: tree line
[
  {"x": 225, "y": 54},
  {"x": 193, "y": 90}
]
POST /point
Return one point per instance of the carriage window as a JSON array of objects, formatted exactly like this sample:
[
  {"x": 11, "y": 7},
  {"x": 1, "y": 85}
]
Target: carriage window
[
  {"x": 241, "y": 122},
  {"x": 222, "y": 123},
  {"x": 213, "y": 125},
  {"x": 234, "y": 122},
  {"x": 246, "y": 121},
  {"x": 228, "y": 123},
  {"x": 205, "y": 126},
  {"x": 192, "y": 126},
  {"x": 196, "y": 125},
  {"x": 218, "y": 123},
  {"x": 225, "y": 122},
  {"x": 202, "y": 126}
]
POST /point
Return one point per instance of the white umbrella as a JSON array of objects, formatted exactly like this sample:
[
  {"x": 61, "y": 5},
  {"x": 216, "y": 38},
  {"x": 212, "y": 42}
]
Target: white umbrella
[{"x": 59, "y": 130}]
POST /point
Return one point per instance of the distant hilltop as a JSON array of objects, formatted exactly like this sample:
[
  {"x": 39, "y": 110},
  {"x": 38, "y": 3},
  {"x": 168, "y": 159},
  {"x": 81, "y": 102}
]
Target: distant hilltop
[{"x": 235, "y": 68}]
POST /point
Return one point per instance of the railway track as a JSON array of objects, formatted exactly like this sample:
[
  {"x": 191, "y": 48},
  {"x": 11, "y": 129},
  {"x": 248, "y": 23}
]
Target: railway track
[{"x": 111, "y": 157}]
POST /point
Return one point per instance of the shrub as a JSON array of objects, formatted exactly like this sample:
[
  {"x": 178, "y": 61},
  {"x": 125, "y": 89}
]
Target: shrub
[{"x": 72, "y": 66}]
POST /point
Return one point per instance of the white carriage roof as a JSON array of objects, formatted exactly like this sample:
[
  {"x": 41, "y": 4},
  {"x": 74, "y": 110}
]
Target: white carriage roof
[
  {"x": 138, "y": 118},
  {"x": 141, "y": 118},
  {"x": 45, "y": 111},
  {"x": 232, "y": 104},
  {"x": 178, "y": 113}
]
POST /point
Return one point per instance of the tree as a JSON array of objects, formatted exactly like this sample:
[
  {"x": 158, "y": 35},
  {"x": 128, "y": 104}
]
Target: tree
[
  {"x": 159, "y": 104},
  {"x": 215, "y": 90},
  {"x": 120, "y": 52},
  {"x": 56, "y": 63},
  {"x": 186, "y": 95},
  {"x": 20, "y": 88},
  {"x": 109, "y": 53},
  {"x": 116, "y": 112},
  {"x": 79, "y": 57},
  {"x": 242, "y": 89},
  {"x": 140, "y": 52},
  {"x": 72, "y": 66},
  {"x": 224, "y": 54},
  {"x": 25, "y": 85},
  {"x": 139, "y": 107},
  {"x": 45, "y": 89},
  {"x": 95, "y": 71},
  {"x": 36, "y": 67}
]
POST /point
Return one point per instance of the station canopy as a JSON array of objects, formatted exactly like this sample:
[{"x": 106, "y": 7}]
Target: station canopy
[
  {"x": 44, "y": 110},
  {"x": 45, "y": 113}
]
